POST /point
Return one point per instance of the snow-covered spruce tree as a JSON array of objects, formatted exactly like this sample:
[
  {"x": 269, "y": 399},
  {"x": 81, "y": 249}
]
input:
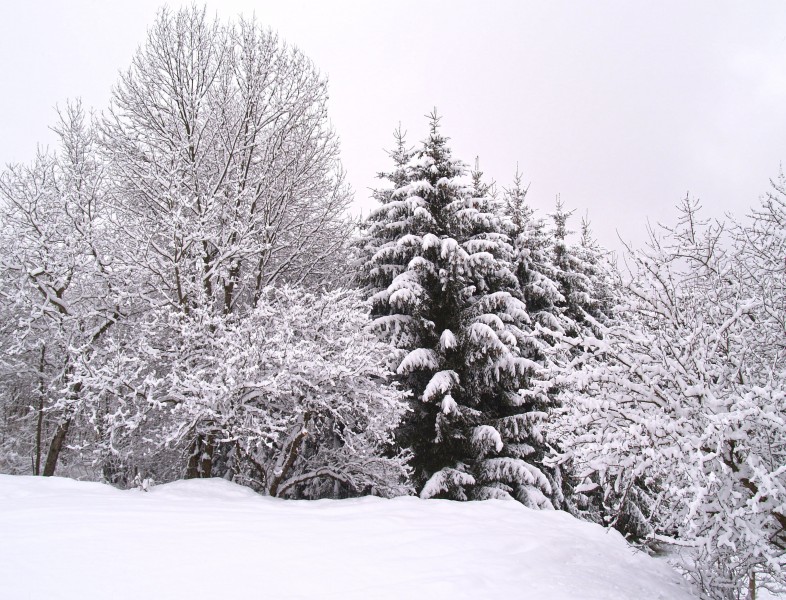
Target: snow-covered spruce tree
[
  {"x": 582, "y": 274},
  {"x": 533, "y": 260},
  {"x": 564, "y": 287},
  {"x": 376, "y": 231},
  {"x": 439, "y": 271},
  {"x": 539, "y": 279},
  {"x": 682, "y": 402}
]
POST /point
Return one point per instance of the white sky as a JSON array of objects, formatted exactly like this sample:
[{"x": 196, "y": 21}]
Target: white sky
[{"x": 621, "y": 107}]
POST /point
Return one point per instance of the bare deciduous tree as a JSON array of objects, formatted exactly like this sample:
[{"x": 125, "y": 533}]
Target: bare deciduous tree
[
  {"x": 225, "y": 171},
  {"x": 59, "y": 290}
]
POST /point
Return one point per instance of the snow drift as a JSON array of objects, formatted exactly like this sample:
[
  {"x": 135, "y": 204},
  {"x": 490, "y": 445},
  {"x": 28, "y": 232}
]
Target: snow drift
[{"x": 209, "y": 538}]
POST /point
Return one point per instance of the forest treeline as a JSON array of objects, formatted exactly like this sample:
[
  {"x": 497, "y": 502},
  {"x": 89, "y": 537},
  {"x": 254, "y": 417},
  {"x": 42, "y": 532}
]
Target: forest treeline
[{"x": 184, "y": 295}]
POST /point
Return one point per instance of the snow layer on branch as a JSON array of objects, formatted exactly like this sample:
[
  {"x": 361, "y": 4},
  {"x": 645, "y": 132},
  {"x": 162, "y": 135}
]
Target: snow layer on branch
[
  {"x": 448, "y": 405},
  {"x": 514, "y": 471},
  {"x": 408, "y": 241},
  {"x": 447, "y": 480},
  {"x": 492, "y": 321},
  {"x": 447, "y": 340},
  {"x": 482, "y": 259},
  {"x": 441, "y": 383},
  {"x": 516, "y": 425},
  {"x": 416, "y": 188},
  {"x": 503, "y": 303},
  {"x": 498, "y": 491},
  {"x": 486, "y": 338},
  {"x": 451, "y": 248},
  {"x": 394, "y": 322},
  {"x": 431, "y": 241},
  {"x": 486, "y": 437},
  {"x": 515, "y": 365},
  {"x": 587, "y": 486},
  {"x": 397, "y": 329},
  {"x": 477, "y": 245},
  {"x": 420, "y": 359},
  {"x": 398, "y": 208},
  {"x": 520, "y": 450},
  {"x": 405, "y": 290},
  {"x": 419, "y": 263}
]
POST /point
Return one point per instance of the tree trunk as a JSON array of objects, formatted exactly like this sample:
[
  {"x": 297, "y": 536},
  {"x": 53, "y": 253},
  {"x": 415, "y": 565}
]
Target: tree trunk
[
  {"x": 752, "y": 586},
  {"x": 55, "y": 447},
  {"x": 62, "y": 428},
  {"x": 39, "y": 426},
  {"x": 200, "y": 462},
  {"x": 40, "y": 423},
  {"x": 292, "y": 454},
  {"x": 206, "y": 461}
]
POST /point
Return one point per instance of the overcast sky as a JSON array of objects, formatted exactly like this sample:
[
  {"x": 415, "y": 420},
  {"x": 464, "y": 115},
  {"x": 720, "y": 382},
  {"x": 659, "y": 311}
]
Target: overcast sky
[{"x": 621, "y": 107}]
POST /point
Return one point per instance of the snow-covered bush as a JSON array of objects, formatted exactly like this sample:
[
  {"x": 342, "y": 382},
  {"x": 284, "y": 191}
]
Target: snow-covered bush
[
  {"x": 293, "y": 400},
  {"x": 678, "y": 414}
]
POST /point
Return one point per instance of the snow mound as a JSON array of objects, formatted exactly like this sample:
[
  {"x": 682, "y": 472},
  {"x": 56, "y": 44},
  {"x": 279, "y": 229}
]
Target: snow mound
[{"x": 213, "y": 539}]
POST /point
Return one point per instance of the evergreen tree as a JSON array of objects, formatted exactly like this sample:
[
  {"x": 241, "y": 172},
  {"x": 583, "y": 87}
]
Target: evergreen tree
[
  {"x": 384, "y": 224},
  {"x": 567, "y": 291},
  {"x": 539, "y": 274},
  {"x": 438, "y": 267},
  {"x": 480, "y": 189},
  {"x": 535, "y": 269},
  {"x": 582, "y": 274}
]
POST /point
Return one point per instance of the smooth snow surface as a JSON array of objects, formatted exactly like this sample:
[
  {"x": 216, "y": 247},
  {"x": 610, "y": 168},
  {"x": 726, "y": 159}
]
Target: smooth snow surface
[{"x": 196, "y": 539}]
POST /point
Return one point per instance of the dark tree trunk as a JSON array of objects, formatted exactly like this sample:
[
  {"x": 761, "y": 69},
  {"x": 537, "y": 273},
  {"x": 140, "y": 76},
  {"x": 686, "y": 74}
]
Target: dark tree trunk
[
  {"x": 206, "y": 461},
  {"x": 200, "y": 461},
  {"x": 62, "y": 431},
  {"x": 39, "y": 426},
  {"x": 55, "y": 447},
  {"x": 40, "y": 423},
  {"x": 292, "y": 455}
]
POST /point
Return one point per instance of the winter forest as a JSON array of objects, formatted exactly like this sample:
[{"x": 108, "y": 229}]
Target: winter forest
[{"x": 185, "y": 295}]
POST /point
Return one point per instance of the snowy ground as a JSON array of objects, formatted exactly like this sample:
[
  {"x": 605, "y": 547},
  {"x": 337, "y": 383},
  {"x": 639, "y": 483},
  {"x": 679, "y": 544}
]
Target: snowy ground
[{"x": 61, "y": 538}]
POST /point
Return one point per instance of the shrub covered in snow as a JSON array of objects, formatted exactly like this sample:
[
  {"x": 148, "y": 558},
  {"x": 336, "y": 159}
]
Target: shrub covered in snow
[{"x": 678, "y": 414}]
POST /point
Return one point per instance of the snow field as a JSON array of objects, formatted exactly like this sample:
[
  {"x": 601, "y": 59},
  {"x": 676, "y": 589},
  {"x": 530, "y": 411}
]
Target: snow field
[{"x": 63, "y": 539}]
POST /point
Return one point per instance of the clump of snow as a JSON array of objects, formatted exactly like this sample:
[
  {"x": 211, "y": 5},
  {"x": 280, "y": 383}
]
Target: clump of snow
[
  {"x": 447, "y": 340},
  {"x": 214, "y": 539},
  {"x": 440, "y": 384}
]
